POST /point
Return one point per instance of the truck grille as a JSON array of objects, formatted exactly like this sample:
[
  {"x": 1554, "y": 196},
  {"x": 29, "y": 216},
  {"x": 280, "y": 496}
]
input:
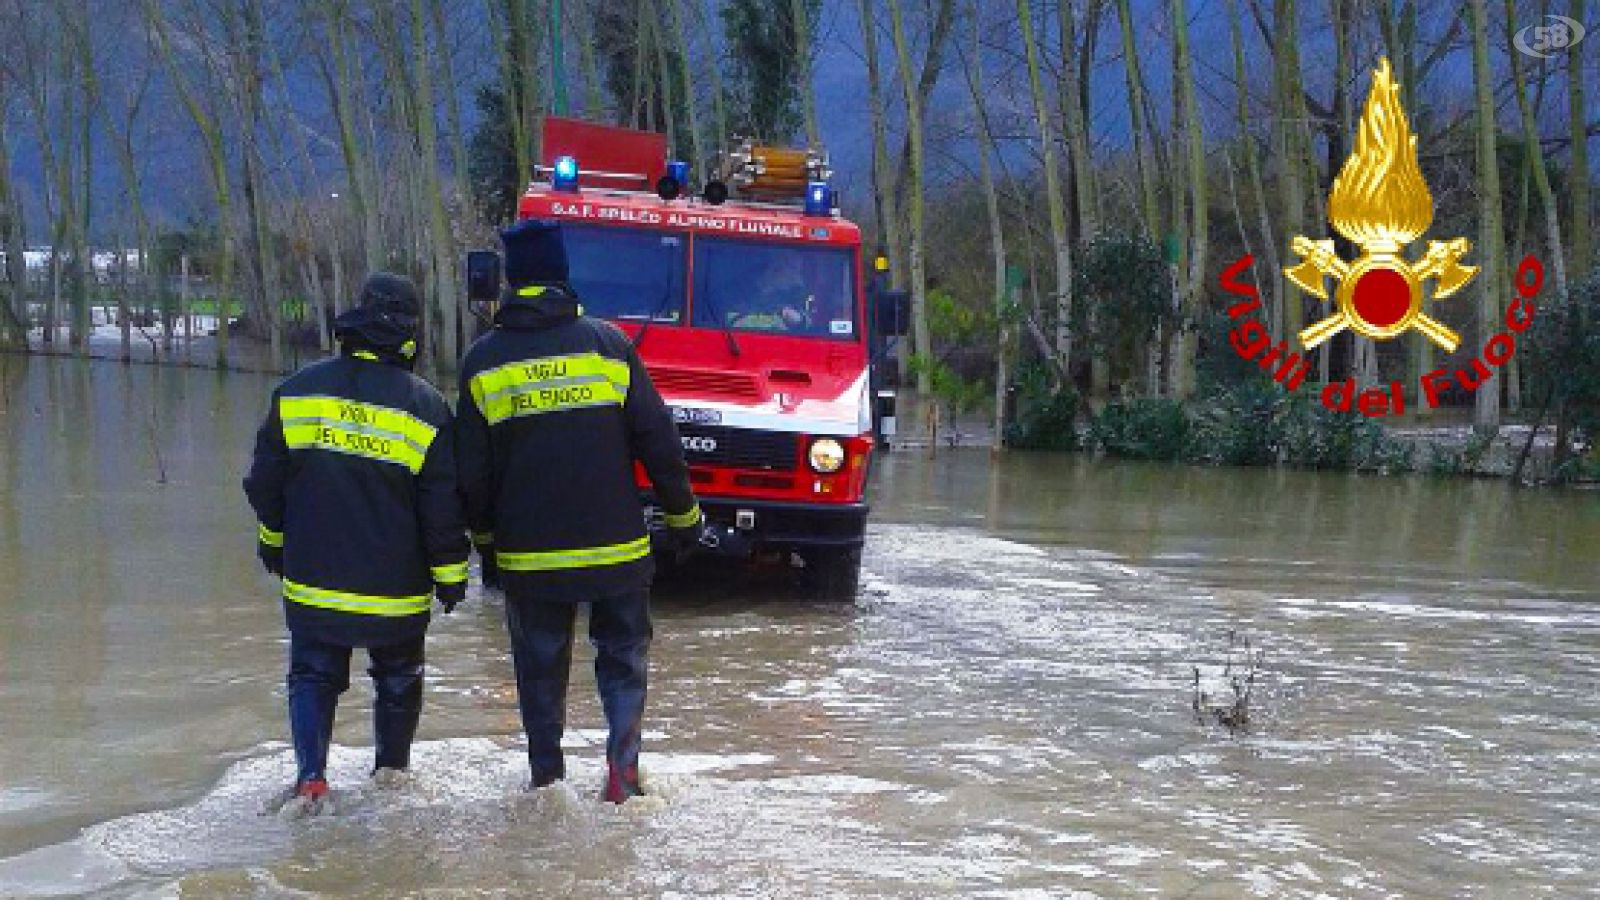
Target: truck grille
[
  {"x": 705, "y": 382},
  {"x": 739, "y": 447}
]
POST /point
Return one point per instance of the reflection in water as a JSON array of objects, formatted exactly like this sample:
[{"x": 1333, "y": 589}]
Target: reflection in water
[{"x": 1006, "y": 709}]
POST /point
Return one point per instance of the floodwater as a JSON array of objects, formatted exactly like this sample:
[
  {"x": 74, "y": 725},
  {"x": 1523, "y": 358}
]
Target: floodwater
[{"x": 1007, "y": 710}]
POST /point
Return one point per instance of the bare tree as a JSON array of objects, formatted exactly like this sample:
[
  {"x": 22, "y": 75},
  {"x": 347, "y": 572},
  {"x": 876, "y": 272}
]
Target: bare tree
[
  {"x": 1491, "y": 232},
  {"x": 1578, "y": 112},
  {"x": 1060, "y": 243},
  {"x": 972, "y": 66},
  {"x": 919, "y": 275}
]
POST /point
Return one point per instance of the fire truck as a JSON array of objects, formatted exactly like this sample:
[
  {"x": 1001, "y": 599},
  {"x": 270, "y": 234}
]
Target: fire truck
[{"x": 748, "y": 305}]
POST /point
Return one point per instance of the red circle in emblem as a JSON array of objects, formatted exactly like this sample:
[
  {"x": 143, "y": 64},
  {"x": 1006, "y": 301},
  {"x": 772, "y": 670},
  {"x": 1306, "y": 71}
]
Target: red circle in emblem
[{"x": 1382, "y": 297}]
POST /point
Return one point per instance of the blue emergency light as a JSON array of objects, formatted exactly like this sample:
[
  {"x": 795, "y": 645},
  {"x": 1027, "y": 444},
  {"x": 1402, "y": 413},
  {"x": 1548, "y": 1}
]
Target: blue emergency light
[
  {"x": 564, "y": 174},
  {"x": 819, "y": 198},
  {"x": 679, "y": 171}
]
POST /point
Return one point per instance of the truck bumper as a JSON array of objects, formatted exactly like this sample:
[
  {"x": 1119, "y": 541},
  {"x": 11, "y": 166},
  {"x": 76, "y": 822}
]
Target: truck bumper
[{"x": 741, "y": 527}]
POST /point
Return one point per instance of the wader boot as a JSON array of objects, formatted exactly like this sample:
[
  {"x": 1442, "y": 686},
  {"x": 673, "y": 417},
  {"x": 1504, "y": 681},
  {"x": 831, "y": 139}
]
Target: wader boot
[
  {"x": 620, "y": 630},
  {"x": 318, "y": 674},
  {"x": 541, "y": 638},
  {"x": 397, "y": 680},
  {"x": 541, "y": 643}
]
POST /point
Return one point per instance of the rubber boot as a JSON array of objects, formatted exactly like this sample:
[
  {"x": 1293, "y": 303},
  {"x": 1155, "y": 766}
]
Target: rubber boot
[
  {"x": 318, "y": 674},
  {"x": 622, "y": 784},
  {"x": 620, "y": 631},
  {"x": 541, "y": 641},
  {"x": 397, "y": 681}
]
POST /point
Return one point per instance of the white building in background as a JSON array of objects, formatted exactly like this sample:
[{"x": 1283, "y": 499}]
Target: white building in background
[{"x": 107, "y": 263}]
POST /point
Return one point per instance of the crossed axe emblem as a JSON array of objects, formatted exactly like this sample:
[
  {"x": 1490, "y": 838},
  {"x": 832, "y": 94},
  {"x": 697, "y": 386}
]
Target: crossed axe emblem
[{"x": 1380, "y": 294}]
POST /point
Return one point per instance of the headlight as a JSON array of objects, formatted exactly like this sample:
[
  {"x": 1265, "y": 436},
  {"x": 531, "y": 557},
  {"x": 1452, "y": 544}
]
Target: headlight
[{"x": 827, "y": 455}]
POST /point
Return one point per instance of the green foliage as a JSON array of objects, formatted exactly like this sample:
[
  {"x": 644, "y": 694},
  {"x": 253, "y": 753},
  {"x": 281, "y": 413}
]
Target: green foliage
[
  {"x": 1046, "y": 419},
  {"x": 492, "y": 158},
  {"x": 1315, "y": 437},
  {"x": 765, "y": 94},
  {"x": 1218, "y": 368},
  {"x": 955, "y": 325},
  {"x": 616, "y": 38},
  {"x": 1121, "y": 295},
  {"x": 1561, "y": 358},
  {"x": 1241, "y": 426},
  {"x": 958, "y": 394},
  {"x": 1464, "y": 460},
  {"x": 1152, "y": 428}
]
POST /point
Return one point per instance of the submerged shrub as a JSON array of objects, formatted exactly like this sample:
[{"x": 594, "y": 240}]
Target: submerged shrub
[
  {"x": 1046, "y": 419},
  {"x": 1149, "y": 428},
  {"x": 1240, "y": 426}
]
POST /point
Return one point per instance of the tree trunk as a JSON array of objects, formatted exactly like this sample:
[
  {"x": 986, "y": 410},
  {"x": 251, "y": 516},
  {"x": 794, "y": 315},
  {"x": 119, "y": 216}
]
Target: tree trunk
[
  {"x": 363, "y": 206},
  {"x": 217, "y": 160},
  {"x": 973, "y": 68},
  {"x": 1060, "y": 243},
  {"x": 518, "y": 84},
  {"x": 1547, "y": 198},
  {"x": 1075, "y": 122},
  {"x": 882, "y": 179},
  {"x": 802, "y": 68},
  {"x": 248, "y": 78},
  {"x": 1578, "y": 110},
  {"x": 919, "y": 286},
  {"x": 451, "y": 90},
  {"x": 1199, "y": 224},
  {"x": 443, "y": 340},
  {"x": 696, "y": 150},
  {"x": 1082, "y": 167},
  {"x": 1252, "y": 168},
  {"x": 664, "y": 77},
  {"x": 1149, "y": 207},
  {"x": 1491, "y": 233},
  {"x": 1291, "y": 114},
  {"x": 14, "y": 315}
]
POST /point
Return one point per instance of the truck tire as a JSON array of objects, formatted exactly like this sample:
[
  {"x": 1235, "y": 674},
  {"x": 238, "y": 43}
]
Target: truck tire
[{"x": 833, "y": 573}]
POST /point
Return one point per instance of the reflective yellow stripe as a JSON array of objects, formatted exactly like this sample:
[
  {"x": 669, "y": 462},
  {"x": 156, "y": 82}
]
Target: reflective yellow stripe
[
  {"x": 454, "y": 573},
  {"x": 584, "y": 557},
  {"x": 481, "y": 538},
  {"x": 359, "y": 429},
  {"x": 683, "y": 520},
  {"x": 345, "y": 601},
  {"x": 268, "y": 536},
  {"x": 365, "y": 354},
  {"x": 532, "y": 290},
  {"x": 550, "y": 384}
]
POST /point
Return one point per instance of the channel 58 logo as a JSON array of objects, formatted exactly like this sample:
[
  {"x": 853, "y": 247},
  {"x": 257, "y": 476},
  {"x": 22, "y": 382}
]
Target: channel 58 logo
[{"x": 1536, "y": 40}]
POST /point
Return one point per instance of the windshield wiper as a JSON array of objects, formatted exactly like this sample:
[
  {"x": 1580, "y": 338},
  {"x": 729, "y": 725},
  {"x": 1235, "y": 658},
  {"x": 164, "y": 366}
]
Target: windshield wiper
[
  {"x": 726, "y": 324},
  {"x": 666, "y": 297}
]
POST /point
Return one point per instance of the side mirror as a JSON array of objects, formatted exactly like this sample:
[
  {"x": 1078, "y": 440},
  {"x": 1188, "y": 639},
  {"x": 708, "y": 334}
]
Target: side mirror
[
  {"x": 891, "y": 313},
  {"x": 483, "y": 276}
]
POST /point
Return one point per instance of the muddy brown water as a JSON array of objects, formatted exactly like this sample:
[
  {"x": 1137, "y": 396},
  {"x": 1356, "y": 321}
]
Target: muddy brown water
[{"x": 1006, "y": 711}]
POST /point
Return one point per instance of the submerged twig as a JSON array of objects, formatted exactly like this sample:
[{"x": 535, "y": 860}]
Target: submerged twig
[
  {"x": 153, "y": 428},
  {"x": 1231, "y": 712}
]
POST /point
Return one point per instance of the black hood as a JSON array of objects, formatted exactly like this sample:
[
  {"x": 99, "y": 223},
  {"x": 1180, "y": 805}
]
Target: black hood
[
  {"x": 536, "y": 307},
  {"x": 384, "y": 320}
]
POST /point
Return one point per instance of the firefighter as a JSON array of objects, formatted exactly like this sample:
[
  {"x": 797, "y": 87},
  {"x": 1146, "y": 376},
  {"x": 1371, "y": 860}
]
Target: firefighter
[
  {"x": 555, "y": 409},
  {"x": 354, "y": 484}
]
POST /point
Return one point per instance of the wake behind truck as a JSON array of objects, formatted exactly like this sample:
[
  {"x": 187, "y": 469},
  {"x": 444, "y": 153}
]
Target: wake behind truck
[{"x": 748, "y": 306}]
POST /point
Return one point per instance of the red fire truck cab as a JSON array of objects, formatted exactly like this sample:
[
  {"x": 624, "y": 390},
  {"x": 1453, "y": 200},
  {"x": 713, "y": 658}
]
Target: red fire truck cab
[{"x": 752, "y": 319}]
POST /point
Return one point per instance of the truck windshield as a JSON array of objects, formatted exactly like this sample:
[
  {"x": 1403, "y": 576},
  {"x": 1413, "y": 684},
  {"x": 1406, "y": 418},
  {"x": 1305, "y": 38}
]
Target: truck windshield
[
  {"x": 626, "y": 274},
  {"x": 775, "y": 288}
]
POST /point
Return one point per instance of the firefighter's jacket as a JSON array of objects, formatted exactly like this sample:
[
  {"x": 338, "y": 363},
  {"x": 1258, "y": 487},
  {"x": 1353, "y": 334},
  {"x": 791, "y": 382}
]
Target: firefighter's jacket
[
  {"x": 554, "y": 410},
  {"x": 354, "y": 477}
]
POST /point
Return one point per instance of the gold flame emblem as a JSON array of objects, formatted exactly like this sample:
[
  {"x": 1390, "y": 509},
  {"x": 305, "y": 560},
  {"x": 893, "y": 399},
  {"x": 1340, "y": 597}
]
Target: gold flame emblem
[{"x": 1381, "y": 203}]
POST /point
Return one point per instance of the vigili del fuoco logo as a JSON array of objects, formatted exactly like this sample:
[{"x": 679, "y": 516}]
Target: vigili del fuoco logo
[{"x": 1381, "y": 204}]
